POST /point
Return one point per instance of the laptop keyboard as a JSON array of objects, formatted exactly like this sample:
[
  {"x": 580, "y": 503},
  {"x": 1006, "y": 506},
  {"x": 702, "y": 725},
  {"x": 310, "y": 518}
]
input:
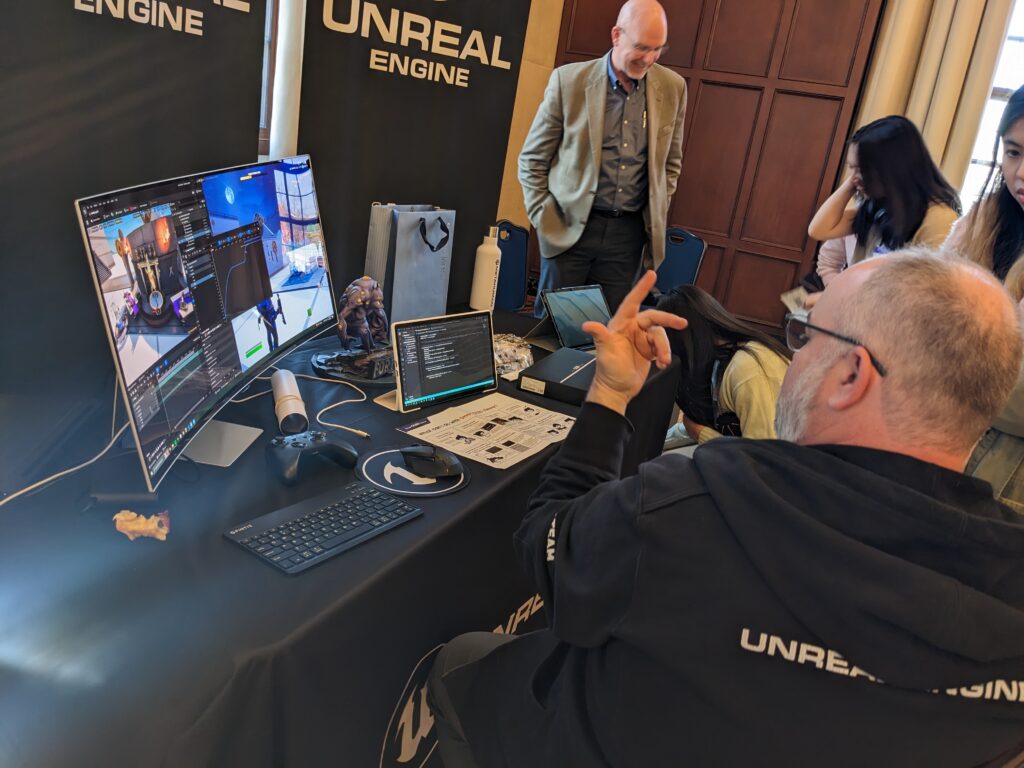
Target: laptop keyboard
[{"x": 300, "y": 536}]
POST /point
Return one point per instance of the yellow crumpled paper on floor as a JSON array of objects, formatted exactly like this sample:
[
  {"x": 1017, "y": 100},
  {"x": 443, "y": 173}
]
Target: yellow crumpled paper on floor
[{"x": 133, "y": 525}]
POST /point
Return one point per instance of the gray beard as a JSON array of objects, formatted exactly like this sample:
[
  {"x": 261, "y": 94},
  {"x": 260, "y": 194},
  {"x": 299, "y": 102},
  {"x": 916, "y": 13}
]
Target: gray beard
[{"x": 796, "y": 400}]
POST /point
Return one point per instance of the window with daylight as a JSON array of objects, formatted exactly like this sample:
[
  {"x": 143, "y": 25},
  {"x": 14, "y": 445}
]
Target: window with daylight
[
  {"x": 296, "y": 204},
  {"x": 1008, "y": 78}
]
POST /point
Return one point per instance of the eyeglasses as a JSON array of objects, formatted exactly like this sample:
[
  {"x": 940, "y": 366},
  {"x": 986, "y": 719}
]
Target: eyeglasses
[
  {"x": 796, "y": 338},
  {"x": 644, "y": 49}
]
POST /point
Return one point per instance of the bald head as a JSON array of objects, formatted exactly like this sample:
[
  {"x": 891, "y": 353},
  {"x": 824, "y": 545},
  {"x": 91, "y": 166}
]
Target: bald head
[
  {"x": 638, "y": 37},
  {"x": 647, "y": 13},
  {"x": 948, "y": 336}
]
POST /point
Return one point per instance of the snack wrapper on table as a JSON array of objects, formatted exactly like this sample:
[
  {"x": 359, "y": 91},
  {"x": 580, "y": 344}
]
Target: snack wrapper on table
[{"x": 511, "y": 355}]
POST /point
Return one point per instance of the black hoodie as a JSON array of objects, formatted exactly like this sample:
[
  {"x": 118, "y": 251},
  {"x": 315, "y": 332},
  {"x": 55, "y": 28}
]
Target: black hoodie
[{"x": 762, "y": 604}]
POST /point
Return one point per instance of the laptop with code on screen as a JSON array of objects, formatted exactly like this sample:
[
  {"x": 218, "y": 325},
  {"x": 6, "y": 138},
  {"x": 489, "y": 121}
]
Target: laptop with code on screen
[{"x": 438, "y": 359}]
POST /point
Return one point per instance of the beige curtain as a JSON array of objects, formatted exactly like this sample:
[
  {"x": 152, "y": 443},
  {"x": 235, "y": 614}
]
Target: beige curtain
[
  {"x": 539, "y": 52},
  {"x": 934, "y": 62}
]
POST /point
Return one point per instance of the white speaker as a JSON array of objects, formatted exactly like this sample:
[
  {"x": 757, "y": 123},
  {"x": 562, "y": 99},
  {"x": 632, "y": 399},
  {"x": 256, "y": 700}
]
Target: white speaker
[{"x": 288, "y": 405}]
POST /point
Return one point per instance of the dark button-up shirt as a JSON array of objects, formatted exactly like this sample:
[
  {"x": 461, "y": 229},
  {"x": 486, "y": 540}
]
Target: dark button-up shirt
[{"x": 622, "y": 184}]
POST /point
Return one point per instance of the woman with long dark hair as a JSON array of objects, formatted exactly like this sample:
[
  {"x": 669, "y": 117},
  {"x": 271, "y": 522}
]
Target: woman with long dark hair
[
  {"x": 895, "y": 195},
  {"x": 731, "y": 371},
  {"x": 992, "y": 235}
]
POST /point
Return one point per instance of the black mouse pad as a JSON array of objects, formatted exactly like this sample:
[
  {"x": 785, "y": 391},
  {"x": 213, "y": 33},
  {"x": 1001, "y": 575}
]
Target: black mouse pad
[{"x": 386, "y": 470}]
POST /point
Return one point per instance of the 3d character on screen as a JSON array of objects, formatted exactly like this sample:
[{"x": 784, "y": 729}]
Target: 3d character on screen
[
  {"x": 269, "y": 312},
  {"x": 162, "y": 234},
  {"x": 148, "y": 265},
  {"x": 154, "y": 265},
  {"x": 361, "y": 314}
]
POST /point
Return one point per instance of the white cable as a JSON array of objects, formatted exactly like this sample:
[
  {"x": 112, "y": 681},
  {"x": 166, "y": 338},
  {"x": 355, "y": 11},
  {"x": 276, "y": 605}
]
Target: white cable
[
  {"x": 360, "y": 399},
  {"x": 258, "y": 394},
  {"x": 65, "y": 472},
  {"x": 114, "y": 437}
]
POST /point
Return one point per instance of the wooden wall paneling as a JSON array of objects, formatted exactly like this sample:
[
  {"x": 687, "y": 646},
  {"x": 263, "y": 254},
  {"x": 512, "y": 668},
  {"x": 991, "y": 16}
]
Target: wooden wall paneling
[
  {"x": 684, "y": 23},
  {"x": 754, "y": 284},
  {"x": 789, "y": 173},
  {"x": 587, "y": 25},
  {"x": 707, "y": 277},
  {"x": 806, "y": 59},
  {"x": 717, "y": 146},
  {"x": 772, "y": 89},
  {"x": 588, "y": 33},
  {"x": 743, "y": 36}
]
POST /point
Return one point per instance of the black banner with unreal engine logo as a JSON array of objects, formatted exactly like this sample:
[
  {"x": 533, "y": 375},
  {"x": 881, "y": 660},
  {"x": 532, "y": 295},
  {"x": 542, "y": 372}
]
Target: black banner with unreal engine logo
[
  {"x": 409, "y": 101},
  {"x": 98, "y": 95}
]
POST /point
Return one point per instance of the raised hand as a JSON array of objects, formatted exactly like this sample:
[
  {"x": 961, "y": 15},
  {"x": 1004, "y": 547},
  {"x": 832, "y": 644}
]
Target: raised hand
[{"x": 628, "y": 345}]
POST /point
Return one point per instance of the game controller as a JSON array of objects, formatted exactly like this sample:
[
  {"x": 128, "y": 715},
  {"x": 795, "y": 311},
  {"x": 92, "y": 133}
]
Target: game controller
[{"x": 285, "y": 453}]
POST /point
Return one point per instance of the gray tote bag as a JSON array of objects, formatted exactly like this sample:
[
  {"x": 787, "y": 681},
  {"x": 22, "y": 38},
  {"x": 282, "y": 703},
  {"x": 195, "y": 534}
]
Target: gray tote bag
[
  {"x": 418, "y": 264},
  {"x": 378, "y": 241}
]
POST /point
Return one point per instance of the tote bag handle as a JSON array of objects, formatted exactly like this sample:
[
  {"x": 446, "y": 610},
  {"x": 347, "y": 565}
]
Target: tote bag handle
[{"x": 442, "y": 242}]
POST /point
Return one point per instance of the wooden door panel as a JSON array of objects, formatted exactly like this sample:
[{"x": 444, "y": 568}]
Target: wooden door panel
[
  {"x": 590, "y": 24},
  {"x": 707, "y": 277},
  {"x": 715, "y": 156},
  {"x": 755, "y": 282},
  {"x": 785, "y": 187},
  {"x": 772, "y": 90},
  {"x": 806, "y": 59},
  {"x": 684, "y": 21},
  {"x": 590, "y": 27},
  {"x": 743, "y": 36}
]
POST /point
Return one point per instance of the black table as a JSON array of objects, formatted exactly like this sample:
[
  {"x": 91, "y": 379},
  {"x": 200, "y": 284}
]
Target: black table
[{"x": 192, "y": 652}]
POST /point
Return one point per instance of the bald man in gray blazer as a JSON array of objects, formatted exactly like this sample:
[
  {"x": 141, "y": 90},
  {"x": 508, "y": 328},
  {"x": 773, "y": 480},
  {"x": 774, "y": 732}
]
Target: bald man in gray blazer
[{"x": 602, "y": 158}]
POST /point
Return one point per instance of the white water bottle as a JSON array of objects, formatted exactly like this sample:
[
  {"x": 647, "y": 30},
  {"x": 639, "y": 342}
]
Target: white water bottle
[{"x": 485, "y": 272}]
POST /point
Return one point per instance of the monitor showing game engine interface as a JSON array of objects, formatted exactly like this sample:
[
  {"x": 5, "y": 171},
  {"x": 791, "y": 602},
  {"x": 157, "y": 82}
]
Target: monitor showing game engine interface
[
  {"x": 442, "y": 358},
  {"x": 203, "y": 281}
]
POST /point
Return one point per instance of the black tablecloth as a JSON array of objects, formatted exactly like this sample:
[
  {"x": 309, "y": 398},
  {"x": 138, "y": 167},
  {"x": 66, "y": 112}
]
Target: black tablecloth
[{"x": 192, "y": 652}]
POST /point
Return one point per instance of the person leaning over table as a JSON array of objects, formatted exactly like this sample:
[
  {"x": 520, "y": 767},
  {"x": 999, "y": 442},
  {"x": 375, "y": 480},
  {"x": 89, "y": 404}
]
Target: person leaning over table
[
  {"x": 602, "y": 158},
  {"x": 731, "y": 371},
  {"x": 843, "y": 596}
]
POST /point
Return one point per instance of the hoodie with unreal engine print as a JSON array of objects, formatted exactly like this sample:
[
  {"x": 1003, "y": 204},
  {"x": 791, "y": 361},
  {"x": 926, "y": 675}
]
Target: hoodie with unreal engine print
[{"x": 763, "y": 604}]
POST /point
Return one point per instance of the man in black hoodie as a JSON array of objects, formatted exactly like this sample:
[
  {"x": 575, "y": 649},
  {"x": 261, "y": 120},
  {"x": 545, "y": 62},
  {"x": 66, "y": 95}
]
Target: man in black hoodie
[{"x": 844, "y": 596}]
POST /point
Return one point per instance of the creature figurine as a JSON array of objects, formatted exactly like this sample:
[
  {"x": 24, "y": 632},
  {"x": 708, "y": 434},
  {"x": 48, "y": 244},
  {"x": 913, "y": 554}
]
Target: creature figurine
[{"x": 361, "y": 314}]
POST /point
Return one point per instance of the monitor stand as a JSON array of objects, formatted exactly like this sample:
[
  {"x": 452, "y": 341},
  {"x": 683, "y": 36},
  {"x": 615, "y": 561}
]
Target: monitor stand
[
  {"x": 220, "y": 443},
  {"x": 389, "y": 400},
  {"x": 119, "y": 480}
]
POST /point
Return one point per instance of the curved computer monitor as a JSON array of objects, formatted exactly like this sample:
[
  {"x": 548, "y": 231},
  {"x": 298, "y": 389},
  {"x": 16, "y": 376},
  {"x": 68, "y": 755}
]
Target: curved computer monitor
[{"x": 203, "y": 281}]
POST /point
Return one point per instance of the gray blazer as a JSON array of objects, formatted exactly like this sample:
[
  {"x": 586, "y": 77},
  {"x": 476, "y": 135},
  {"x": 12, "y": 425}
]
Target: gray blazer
[{"x": 561, "y": 157}]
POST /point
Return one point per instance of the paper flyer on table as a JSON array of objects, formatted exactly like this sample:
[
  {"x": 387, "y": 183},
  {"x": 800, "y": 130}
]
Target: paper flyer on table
[{"x": 496, "y": 430}]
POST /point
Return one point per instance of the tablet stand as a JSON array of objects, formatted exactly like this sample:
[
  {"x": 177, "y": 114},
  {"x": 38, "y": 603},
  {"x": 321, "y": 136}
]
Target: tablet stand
[{"x": 388, "y": 400}]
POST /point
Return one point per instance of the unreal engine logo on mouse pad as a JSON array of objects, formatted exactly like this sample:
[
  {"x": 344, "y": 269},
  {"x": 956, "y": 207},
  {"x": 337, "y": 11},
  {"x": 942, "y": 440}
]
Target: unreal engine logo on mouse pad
[{"x": 387, "y": 470}]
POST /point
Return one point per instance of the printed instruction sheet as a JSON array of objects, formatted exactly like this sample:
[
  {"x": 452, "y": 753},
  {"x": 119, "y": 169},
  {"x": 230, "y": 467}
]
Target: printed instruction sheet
[{"x": 496, "y": 430}]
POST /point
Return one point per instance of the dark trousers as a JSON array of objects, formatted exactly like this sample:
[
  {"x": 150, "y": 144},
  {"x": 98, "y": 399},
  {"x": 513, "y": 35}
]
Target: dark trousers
[
  {"x": 608, "y": 253},
  {"x": 271, "y": 333},
  {"x": 464, "y": 649}
]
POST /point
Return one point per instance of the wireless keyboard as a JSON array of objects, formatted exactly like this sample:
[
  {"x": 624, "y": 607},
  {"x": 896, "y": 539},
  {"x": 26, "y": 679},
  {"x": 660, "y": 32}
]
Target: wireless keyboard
[{"x": 304, "y": 534}]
